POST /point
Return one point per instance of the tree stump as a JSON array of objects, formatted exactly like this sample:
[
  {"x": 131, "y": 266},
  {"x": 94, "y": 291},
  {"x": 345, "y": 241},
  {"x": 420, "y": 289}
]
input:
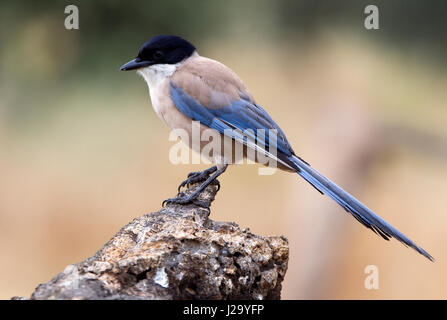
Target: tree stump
[{"x": 177, "y": 253}]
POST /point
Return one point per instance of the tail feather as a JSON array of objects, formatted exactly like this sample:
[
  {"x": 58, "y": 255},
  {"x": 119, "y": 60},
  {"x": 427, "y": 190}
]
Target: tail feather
[{"x": 362, "y": 213}]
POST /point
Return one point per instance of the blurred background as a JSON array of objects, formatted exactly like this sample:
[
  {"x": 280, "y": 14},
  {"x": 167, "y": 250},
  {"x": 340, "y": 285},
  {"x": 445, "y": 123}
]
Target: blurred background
[{"x": 82, "y": 152}]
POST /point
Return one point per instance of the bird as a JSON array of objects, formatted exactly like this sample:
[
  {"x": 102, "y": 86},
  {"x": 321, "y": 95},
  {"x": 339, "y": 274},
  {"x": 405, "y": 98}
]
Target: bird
[{"x": 186, "y": 89}]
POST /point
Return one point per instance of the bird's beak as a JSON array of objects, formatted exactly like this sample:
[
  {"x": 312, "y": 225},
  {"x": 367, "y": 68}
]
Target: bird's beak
[{"x": 136, "y": 63}]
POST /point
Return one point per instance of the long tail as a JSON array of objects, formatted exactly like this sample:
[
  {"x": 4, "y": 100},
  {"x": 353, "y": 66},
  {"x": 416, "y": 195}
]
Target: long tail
[{"x": 363, "y": 214}]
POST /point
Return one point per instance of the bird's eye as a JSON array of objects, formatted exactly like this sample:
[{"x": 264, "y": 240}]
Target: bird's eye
[{"x": 158, "y": 55}]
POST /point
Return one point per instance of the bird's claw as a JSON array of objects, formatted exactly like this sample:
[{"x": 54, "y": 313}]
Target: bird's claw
[
  {"x": 195, "y": 177},
  {"x": 185, "y": 199},
  {"x": 188, "y": 181},
  {"x": 177, "y": 200}
]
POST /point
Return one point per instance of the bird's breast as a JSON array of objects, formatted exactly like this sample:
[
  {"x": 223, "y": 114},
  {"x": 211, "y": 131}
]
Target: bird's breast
[{"x": 157, "y": 79}]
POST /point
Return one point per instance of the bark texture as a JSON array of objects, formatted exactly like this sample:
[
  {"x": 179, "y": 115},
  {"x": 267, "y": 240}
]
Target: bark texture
[{"x": 177, "y": 253}]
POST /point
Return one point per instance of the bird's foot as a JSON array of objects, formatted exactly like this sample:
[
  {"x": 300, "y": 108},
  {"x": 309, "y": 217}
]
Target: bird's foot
[
  {"x": 195, "y": 177},
  {"x": 207, "y": 177},
  {"x": 183, "y": 198}
]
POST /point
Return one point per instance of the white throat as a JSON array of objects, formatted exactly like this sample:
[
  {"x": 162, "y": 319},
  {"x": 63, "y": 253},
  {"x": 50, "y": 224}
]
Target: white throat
[{"x": 154, "y": 75}]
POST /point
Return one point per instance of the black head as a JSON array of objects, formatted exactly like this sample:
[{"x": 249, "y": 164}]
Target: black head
[{"x": 161, "y": 50}]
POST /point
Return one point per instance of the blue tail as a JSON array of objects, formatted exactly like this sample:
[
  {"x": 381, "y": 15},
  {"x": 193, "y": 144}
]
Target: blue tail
[{"x": 363, "y": 214}]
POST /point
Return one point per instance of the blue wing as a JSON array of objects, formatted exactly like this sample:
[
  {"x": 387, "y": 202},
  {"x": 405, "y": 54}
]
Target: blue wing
[{"x": 241, "y": 114}]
